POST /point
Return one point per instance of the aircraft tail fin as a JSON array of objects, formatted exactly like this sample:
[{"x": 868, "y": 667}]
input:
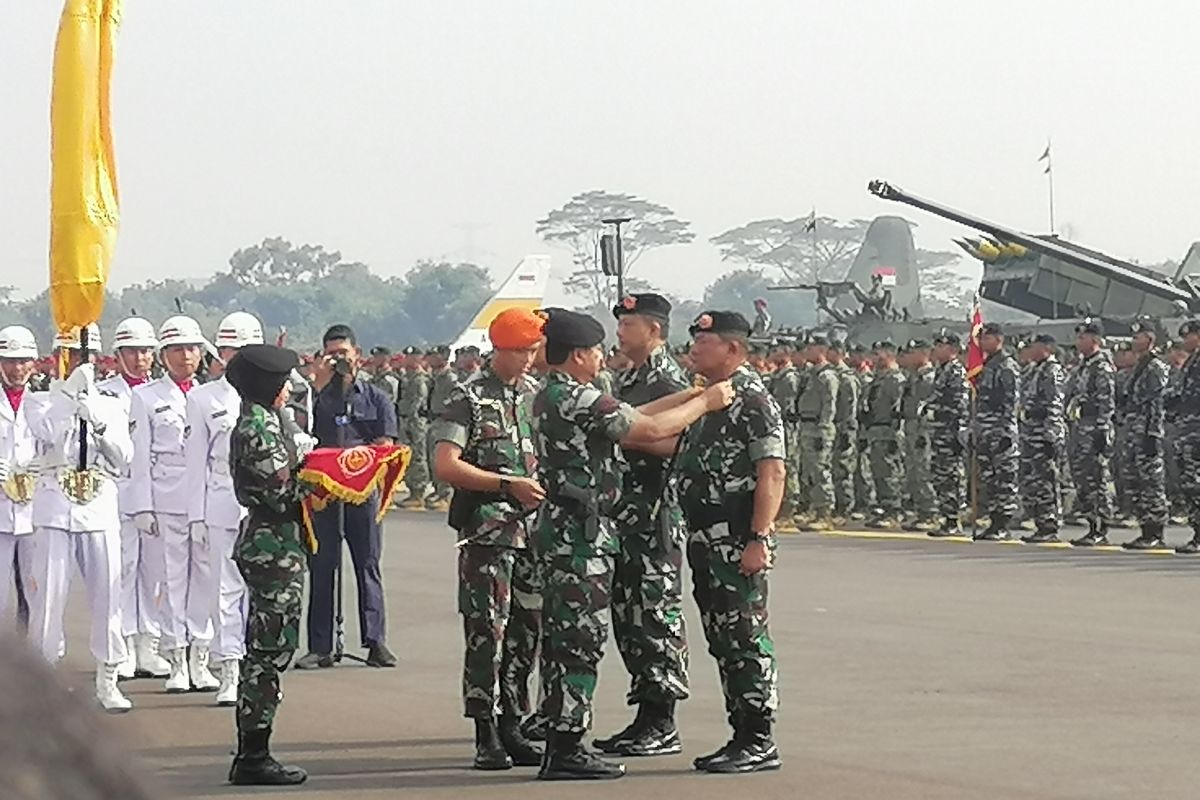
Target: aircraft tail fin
[{"x": 525, "y": 287}]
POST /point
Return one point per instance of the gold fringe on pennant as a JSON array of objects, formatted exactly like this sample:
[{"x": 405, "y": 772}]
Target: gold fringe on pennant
[{"x": 335, "y": 491}]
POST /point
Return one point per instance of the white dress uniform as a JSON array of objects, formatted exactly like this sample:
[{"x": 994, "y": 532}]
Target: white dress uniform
[
  {"x": 159, "y": 485},
  {"x": 212, "y": 412},
  {"x": 18, "y": 451},
  {"x": 143, "y": 568},
  {"x": 81, "y": 525}
]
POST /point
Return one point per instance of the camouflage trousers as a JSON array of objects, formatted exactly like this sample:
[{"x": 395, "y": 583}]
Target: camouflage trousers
[
  {"x": 441, "y": 489},
  {"x": 887, "y": 472},
  {"x": 733, "y": 612},
  {"x": 999, "y": 467},
  {"x": 794, "y": 497},
  {"x": 1066, "y": 481},
  {"x": 816, "y": 470},
  {"x": 647, "y": 612},
  {"x": 501, "y": 648},
  {"x": 1040, "y": 496},
  {"x": 948, "y": 474},
  {"x": 845, "y": 472},
  {"x": 864, "y": 481},
  {"x": 1175, "y": 499},
  {"x": 413, "y": 433},
  {"x": 523, "y": 651},
  {"x": 1187, "y": 454},
  {"x": 274, "y": 576},
  {"x": 576, "y": 595},
  {"x": 918, "y": 467},
  {"x": 1089, "y": 452},
  {"x": 1120, "y": 466},
  {"x": 1145, "y": 478}
]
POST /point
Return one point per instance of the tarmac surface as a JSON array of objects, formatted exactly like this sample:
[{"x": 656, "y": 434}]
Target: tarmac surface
[{"x": 910, "y": 668}]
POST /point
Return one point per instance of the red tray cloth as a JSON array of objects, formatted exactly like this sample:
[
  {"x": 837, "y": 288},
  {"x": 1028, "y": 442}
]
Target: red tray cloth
[{"x": 351, "y": 476}]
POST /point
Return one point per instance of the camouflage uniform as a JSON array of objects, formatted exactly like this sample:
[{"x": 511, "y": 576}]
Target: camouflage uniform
[
  {"x": 864, "y": 481},
  {"x": 578, "y": 428},
  {"x": 881, "y": 419},
  {"x": 490, "y": 421},
  {"x": 1121, "y": 465},
  {"x": 1091, "y": 413},
  {"x": 442, "y": 384},
  {"x": 387, "y": 382},
  {"x": 717, "y": 479},
  {"x": 1042, "y": 439},
  {"x": 785, "y": 388},
  {"x": 918, "y": 453},
  {"x": 816, "y": 410},
  {"x": 949, "y": 417},
  {"x": 1176, "y": 502},
  {"x": 605, "y": 381},
  {"x": 1142, "y": 419},
  {"x": 412, "y": 412},
  {"x": 647, "y": 591},
  {"x": 845, "y": 440},
  {"x": 998, "y": 396},
  {"x": 270, "y": 555},
  {"x": 1185, "y": 402}
]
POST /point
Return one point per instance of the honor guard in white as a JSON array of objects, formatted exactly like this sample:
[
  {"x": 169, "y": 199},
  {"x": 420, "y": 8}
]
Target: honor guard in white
[
  {"x": 18, "y": 464},
  {"x": 159, "y": 502},
  {"x": 143, "y": 564},
  {"x": 75, "y": 516},
  {"x": 214, "y": 515}
]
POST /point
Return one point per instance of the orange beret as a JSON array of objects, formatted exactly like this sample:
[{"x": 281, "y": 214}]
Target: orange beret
[{"x": 516, "y": 329}]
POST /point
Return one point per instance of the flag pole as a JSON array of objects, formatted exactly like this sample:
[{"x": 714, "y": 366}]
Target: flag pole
[{"x": 1050, "y": 182}]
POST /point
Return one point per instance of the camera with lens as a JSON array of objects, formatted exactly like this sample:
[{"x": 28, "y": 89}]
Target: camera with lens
[{"x": 341, "y": 366}]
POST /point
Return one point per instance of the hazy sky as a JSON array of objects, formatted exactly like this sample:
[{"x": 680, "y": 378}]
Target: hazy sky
[{"x": 379, "y": 128}]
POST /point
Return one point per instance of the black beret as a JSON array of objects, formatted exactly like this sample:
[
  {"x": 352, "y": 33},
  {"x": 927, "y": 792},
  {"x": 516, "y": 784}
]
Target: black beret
[
  {"x": 269, "y": 359},
  {"x": 259, "y": 371},
  {"x": 884, "y": 344},
  {"x": 1143, "y": 325},
  {"x": 467, "y": 350},
  {"x": 573, "y": 330},
  {"x": 948, "y": 337},
  {"x": 917, "y": 344},
  {"x": 1191, "y": 326},
  {"x": 442, "y": 350},
  {"x": 380, "y": 350},
  {"x": 648, "y": 304},
  {"x": 1045, "y": 338},
  {"x": 1091, "y": 326},
  {"x": 412, "y": 350},
  {"x": 817, "y": 340},
  {"x": 858, "y": 348},
  {"x": 1124, "y": 347},
  {"x": 991, "y": 329},
  {"x": 720, "y": 322}
]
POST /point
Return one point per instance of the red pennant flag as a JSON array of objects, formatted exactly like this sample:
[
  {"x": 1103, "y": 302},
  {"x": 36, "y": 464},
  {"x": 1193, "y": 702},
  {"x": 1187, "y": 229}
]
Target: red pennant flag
[
  {"x": 351, "y": 476},
  {"x": 975, "y": 357}
]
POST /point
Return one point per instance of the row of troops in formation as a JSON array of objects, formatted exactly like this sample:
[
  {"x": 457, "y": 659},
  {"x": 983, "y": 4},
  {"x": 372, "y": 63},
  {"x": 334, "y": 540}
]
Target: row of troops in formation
[
  {"x": 574, "y": 506},
  {"x": 889, "y": 435}
]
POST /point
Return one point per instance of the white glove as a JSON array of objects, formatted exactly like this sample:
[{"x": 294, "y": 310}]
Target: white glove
[
  {"x": 198, "y": 531},
  {"x": 83, "y": 407},
  {"x": 5, "y": 469},
  {"x": 305, "y": 444},
  {"x": 144, "y": 522},
  {"x": 80, "y": 380}
]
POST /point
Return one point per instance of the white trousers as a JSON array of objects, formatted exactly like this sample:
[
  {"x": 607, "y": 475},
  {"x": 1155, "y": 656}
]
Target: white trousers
[
  {"x": 98, "y": 556},
  {"x": 13, "y": 550},
  {"x": 188, "y": 616},
  {"x": 143, "y": 581},
  {"x": 232, "y": 603}
]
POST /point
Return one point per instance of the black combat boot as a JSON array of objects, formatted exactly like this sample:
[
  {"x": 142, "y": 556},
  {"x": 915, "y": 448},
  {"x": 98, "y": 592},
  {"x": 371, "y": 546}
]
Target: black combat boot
[
  {"x": 1097, "y": 535},
  {"x": 630, "y": 731},
  {"x": 534, "y": 728},
  {"x": 1046, "y": 533},
  {"x": 704, "y": 762},
  {"x": 949, "y": 527},
  {"x": 490, "y": 754},
  {"x": 1151, "y": 538},
  {"x": 568, "y": 760},
  {"x": 1192, "y": 546},
  {"x": 996, "y": 531},
  {"x": 754, "y": 750},
  {"x": 523, "y": 752},
  {"x": 659, "y": 736},
  {"x": 254, "y": 766}
]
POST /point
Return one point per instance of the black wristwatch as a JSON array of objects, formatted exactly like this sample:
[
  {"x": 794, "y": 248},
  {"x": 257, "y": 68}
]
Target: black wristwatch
[{"x": 504, "y": 484}]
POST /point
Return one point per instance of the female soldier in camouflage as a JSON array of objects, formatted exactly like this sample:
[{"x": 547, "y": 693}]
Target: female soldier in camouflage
[{"x": 270, "y": 553}]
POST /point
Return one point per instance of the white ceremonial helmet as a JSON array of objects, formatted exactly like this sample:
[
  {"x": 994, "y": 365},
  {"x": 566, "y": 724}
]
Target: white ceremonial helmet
[
  {"x": 180, "y": 330},
  {"x": 238, "y": 330},
  {"x": 70, "y": 341},
  {"x": 17, "y": 341},
  {"x": 134, "y": 332}
]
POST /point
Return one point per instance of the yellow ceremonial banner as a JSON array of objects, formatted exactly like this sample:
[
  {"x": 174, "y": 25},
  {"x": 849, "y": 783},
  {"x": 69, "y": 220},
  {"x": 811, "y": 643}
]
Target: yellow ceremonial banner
[{"x": 84, "y": 201}]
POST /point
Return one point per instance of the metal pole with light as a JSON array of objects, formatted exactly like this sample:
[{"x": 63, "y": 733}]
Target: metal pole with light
[{"x": 612, "y": 258}]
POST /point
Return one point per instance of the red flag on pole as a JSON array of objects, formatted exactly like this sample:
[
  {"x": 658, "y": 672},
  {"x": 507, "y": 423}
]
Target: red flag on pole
[
  {"x": 975, "y": 357},
  {"x": 352, "y": 476}
]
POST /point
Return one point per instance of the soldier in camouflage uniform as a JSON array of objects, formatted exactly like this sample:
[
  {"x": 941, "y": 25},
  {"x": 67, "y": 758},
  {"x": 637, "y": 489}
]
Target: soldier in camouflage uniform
[
  {"x": 731, "y": 481},
  {"x": 270, "y": 553},
  {"x": 816, "y": 410},
  {"x": 864, "y": 484},
  {"x": 995, "y": 434},
  {"x": 1142, "y": 416},
  {"x": 1090, "y": 412},
  {"x": 484, "y": 449},
  {"x": 382, "y": 375},
  {"x": 949, "y": 413},
  {"x": 412, "y": 413},
  {"x": 1042, "y": 438},
  {"x": 1175, "y": 357},
  {"x": 918, "y": 450},
  {"x": 1123, "y": 361},
  {"x": 578, "y": 432},
  {"x": 1184, "y": 401},
  {"x": 881, "y": 419},
  {"x": 785, "y": 388},
  {"x": 467, "y": 361},
  {"x": 647, "y": 591},
  {"x": 442, "y": 380},
  {"x": 845, "y": 440}
]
